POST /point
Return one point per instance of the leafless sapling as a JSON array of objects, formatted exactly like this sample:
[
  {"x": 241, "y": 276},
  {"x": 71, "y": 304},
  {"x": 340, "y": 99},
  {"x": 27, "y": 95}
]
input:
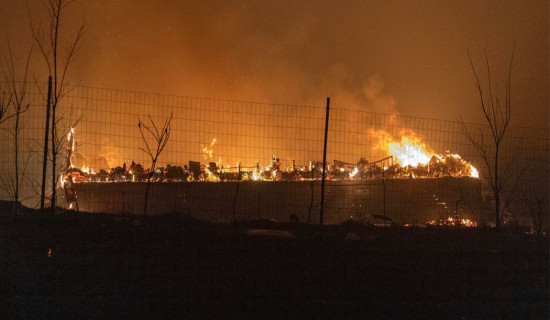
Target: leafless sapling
[
  {"x": 16, "y": 101},
  {"x": 160, "y": 139},
  {"x": 58, "y": 65},
  {"x": 497, "y": 112}
]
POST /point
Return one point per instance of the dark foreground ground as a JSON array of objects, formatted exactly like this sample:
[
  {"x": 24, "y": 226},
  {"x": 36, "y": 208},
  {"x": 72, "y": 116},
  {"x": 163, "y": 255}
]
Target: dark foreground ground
[{"x": 79, "y": 266}]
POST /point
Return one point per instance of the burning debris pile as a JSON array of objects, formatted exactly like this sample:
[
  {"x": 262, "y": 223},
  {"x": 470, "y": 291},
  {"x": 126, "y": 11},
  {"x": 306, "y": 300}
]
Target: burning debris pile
[
  {"x": 417, "y": 160},
  {"x": 407, "y": 159},
  {"x": 408, "y": 170},
  {"x": 439, "y": 166}
]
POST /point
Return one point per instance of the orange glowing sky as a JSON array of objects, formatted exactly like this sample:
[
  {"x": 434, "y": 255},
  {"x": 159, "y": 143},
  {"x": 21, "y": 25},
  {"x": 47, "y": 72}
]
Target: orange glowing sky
[{"x": 406, "y": 57}]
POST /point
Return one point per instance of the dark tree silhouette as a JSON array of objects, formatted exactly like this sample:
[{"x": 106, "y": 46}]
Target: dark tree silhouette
[
  {"x": 497, "y": 111},
  {"x": 16, "y": 99},
  {"x": 58, "y": 65},
  {"x": 160, "y": 138}
]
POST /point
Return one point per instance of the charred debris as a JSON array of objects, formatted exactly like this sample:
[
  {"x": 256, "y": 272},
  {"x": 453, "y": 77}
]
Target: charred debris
[{"x": 446, "y": 166}]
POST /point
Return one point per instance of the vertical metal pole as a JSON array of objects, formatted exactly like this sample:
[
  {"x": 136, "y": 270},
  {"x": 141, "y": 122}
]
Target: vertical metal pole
[
  {"x": 45, "y": 160},
  {"x": 311, "y": 201},
  {"x": 384, "y": 191},
  {"x": 236, "y": 190},
  {"x": 259, "y": 205},
  {"x": 324, "y": 164}
]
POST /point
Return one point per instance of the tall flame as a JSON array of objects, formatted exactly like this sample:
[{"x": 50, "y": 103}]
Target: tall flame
[
  {"x": 208, "y": 151},
  {"x": 474, "y": 173},
  {"x": 410, "y": 151}
]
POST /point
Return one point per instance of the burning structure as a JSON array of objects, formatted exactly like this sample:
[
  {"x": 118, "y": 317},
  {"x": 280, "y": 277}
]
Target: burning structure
[{"x": 411, "y": 186}]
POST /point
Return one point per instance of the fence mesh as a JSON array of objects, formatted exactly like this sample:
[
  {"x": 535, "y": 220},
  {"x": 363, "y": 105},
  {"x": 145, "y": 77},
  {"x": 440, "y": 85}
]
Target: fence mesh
[{"x": 247, "y": 136}]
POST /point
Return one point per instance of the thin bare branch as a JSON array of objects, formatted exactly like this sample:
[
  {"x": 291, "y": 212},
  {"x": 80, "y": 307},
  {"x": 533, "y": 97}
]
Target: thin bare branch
[
  {"x": 72, "y": 49},
  {"x": 497, "y": 115},
  {"x": 141, "y": 125},
  {"x": 5, "y": 103},
  {"x": 161, "y": 139},
  {"x": 480, "y": 91}
]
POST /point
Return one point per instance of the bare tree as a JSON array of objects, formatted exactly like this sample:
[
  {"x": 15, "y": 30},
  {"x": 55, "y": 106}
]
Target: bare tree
[
  {"x": 160, "y": 138},
  {"x": 17, "y": 101},
  {"x": 58, "y": 65},
  {"x": 497, "y": 112}
]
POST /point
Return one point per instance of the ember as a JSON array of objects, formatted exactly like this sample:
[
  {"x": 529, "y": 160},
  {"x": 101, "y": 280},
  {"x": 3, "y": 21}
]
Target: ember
[{"x": 453, "y": 222}]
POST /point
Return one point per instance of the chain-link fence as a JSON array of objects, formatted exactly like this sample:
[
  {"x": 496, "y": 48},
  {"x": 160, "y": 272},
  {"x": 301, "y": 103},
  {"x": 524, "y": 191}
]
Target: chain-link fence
[{"x": 229, "y": 160}]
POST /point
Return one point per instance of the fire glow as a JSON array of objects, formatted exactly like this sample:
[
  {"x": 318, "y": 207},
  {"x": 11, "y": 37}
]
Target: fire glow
[
  {"x": 453, "y": 222},
  {"x": 410, "y": 151},
  {"x": 408, "y": 157}
]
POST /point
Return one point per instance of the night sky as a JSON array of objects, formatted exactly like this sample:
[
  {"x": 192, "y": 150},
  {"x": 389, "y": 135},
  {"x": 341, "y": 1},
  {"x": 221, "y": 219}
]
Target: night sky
[{"x": 406, "y": 57}]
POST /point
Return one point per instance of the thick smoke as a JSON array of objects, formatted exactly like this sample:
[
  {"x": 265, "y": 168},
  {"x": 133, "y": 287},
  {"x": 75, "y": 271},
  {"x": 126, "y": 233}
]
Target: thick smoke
[{"x": 361, "y": 54}]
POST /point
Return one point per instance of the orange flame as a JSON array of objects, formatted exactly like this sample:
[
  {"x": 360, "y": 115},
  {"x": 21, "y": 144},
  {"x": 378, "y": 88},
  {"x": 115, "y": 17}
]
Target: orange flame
[
  {"x": 411, "y": 151},
  {"x": 208, "y": 151}
]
